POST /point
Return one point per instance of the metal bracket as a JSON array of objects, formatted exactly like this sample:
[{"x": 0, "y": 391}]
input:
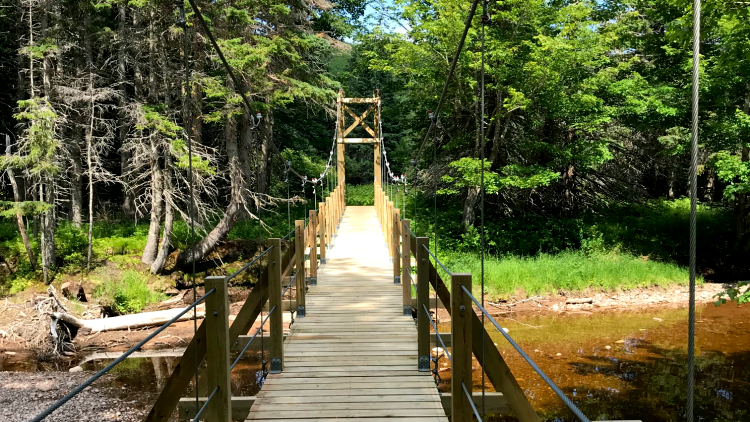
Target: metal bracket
[
  {"x": 407, "y": 310},
  {"x": 424, "y": 364},
  {"x": 300, "y": 312},
  {"x": 276, "y": 366},
  {"x": 313, "y": 281},
  {"x": 322, "y": 260},
  {"x": 396, "y": 279}
]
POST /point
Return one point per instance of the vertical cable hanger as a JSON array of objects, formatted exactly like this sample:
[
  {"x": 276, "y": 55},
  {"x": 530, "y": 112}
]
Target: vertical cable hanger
[
  {"x": 485, "y": 18},
  {"x": 182, "y": 23},
  {"x": 693, "y": 205}
]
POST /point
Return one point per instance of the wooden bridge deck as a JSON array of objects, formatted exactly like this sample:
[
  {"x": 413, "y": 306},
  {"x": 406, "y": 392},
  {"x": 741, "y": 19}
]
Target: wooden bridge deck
[{"x": 354, "y": 356}]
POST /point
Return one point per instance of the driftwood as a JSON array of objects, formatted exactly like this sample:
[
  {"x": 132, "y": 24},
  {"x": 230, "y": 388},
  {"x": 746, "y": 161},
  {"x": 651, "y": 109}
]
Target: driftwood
[
  {"x": 579, "y": 300},
  {"x": 123, "y": 322}
]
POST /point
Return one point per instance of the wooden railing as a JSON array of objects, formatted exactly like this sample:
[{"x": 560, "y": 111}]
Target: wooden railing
[
  {"x": 467, "y": 332},
  {"x": 296, "y": 259}
]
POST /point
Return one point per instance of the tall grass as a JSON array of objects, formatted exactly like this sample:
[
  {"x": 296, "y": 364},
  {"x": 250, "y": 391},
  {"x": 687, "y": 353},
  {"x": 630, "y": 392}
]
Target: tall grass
[{"x": 570, "y": 271}]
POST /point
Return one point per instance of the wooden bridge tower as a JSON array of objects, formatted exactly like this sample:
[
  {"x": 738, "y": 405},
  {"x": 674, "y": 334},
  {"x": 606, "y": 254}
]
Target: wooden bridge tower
[{"x": 360, "y": 120}]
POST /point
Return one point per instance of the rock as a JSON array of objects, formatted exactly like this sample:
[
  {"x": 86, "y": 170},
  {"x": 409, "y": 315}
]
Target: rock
[
  {"x": 658, "y": 319},
  {"x": 73, "y": 290},
  {"x": 536, "y": 350},
  {"x": 45, "y": 385},
  {"x": 558, "y": 354},
  {"x": 555, "y": 307},
  {"x": 10, "y": 353},
  {"x": 506, "y": 330},
  {"x": 620, "y": 342},
  {"x": 75, "y": 369},
  {"x": 608, "y": 347},
  {"x": 3, "y": 334}
]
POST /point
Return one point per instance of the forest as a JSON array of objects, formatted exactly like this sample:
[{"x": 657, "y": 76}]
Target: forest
[{"x": 587, "y": 120}]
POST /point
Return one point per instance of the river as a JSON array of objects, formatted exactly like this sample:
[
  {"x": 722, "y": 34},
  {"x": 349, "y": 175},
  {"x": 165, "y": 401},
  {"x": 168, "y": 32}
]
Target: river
[{"x": 625, "y": 365}]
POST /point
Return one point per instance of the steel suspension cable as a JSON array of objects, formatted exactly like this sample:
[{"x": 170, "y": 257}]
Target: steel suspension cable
[
  {"x": 485, "y": 17},
  {"x": 693, "y": 205},
  {"x": 182, "y": 22},
  {"x": 448, "y": 78}
]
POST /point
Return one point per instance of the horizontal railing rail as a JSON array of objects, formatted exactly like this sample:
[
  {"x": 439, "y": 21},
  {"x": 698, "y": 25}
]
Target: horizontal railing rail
[
  {"x": 437, "y": 260},
  {"x": 246, "y": 266}
]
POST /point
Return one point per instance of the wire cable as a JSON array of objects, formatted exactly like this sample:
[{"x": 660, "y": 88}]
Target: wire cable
[
  {"x": 114, "y": 363},
  {"x": 482, "y": 194},
  {"x": 188, "y": 122},
  {"x": 528, "y": 360},
  {"x": 203, "y": 408},
  {"x": 448, "y": 78},
  {"x": 693, "y": 205}
]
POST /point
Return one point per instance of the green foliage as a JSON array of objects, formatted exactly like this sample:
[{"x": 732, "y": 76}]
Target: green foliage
[
  {"x": 739, "y": 294},
  {"x": 565, "y": 272},
  {"x": 468, "y": 174},
  {"x": 71, "y": 244},
  {"x": 360, "y": 195},
  {"x": 40, "y": 147},
  {"x": 130, "y": 294},
  {"x": 10, "y": 209}
]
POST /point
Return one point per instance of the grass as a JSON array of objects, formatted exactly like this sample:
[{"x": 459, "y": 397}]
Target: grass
[
  {"x": 129, "y": 294},
  {"x": 570, "y": 271}
]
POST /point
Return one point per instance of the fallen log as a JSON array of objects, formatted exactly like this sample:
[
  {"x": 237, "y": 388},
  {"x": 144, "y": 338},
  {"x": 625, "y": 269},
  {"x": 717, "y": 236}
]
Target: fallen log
[
  {"x": 124, "y": 322},
  {"x": 579, "y": 300}
]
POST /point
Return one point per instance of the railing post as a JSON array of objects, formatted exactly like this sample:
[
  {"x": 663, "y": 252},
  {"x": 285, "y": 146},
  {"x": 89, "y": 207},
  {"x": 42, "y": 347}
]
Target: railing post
[
  {"x": 396, "y": 250},
  {"x": 329, "y": 219},
  {"x": 461, "y": 313},
  {"x": 313, "y": 247},
  {"x": 322, "y": 233},
  {"x": 299, "y": 262},
  {"x": 217, "y": 349},
  {"x": 406, "y": 266},
  {"x": 276, "y": 350},
  {"x": 423, "y": 297}
]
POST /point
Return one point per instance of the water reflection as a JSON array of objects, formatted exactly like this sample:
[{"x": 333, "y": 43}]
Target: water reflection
[{"x": 633, "y": 365}]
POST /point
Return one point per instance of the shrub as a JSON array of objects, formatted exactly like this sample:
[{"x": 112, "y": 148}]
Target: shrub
[
  {"x": 128, "y": 295},
  {"x": 360, "y": 195}
]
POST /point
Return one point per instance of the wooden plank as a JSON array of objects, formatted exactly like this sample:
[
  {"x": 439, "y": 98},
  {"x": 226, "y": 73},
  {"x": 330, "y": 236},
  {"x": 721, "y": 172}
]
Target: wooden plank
[
  {"x": 299, "y": 263},
  {"x": 461, "y": 308},
  {"x": 262, "y": 406},
  {"x": 423, "y": 295},
  {"x": 495, "y": 402},
  {"x": 397, "y": 419},
  {"x": 343, "y": 413},
  {"x": 490, "y": 358},
  {"x": 351, "y": 392},
  {"x": 240, "y": 407},
  {"x": 359, "y": 100},
  {"x": 343, "y": 141},
  {"x": 276, "y": 348}
]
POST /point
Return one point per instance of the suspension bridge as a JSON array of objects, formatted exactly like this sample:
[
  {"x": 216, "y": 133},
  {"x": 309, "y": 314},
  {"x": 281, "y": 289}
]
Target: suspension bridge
[
  {"x": 364, "y": 345},
  {"x": 363, "y": 288}
]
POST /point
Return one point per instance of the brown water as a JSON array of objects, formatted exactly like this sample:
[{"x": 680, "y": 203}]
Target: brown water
[{"x": 640, "y": 377}]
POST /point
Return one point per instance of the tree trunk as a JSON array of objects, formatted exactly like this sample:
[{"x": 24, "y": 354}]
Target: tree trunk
[
  {"x": 161, "y": 259},
  {"x": 90, "y": 138},
  {"x": 76, "y": 174},
  {"x": 17, "y": 198},
  {"x": 266, "y": 136},
  {"x": 157, "y": 188},
  {"x": 236, "y": 208},
  {"x": 49, "y": 257},
  {"x": 468, "y": 216}
]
